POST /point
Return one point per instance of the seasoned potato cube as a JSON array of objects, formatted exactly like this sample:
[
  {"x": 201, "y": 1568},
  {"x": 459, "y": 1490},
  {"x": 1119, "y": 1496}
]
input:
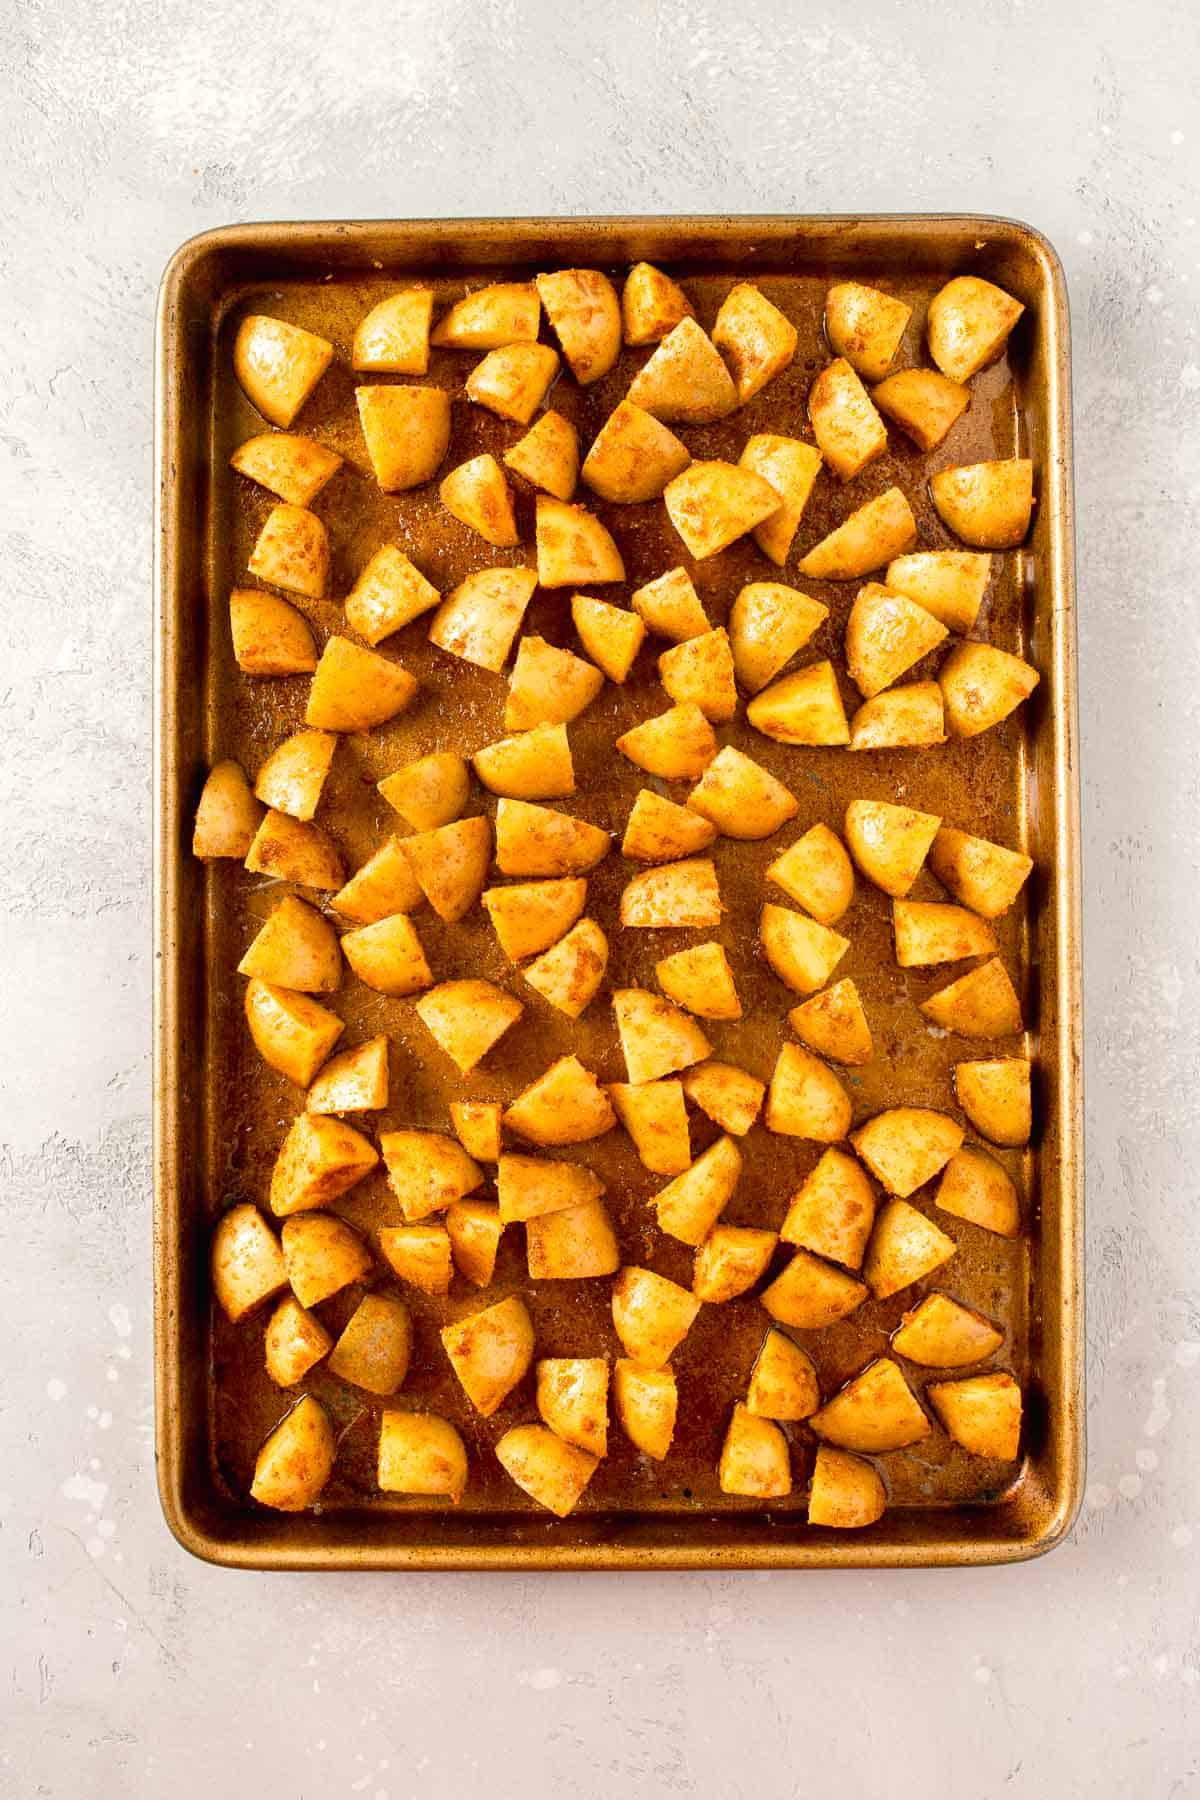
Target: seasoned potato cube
[
  {"x": 480, "y": 618},
  {"x": 801, "y": 951},
  {"x": 477, "y": 1126},
  {"x": 297, "y": 948},
  {"x": 677, "y": 745},
  {"x": 700, "y": 980},
  {"x": 834, "y": 1024},
  {"x": 832, "y": 1211},
  {"x": 292, "y": 850},
  {"x": 477, "y": 494},
  {"x": 293, "y": 775},
  {"x": 611, "y": 636},
  {"x": 690, "y": 1206},
  {"x": 390, "y": 592},
  {"x": 548, "y": 686},
  {"x": 874, "y": 1412},
  {"x": 292, "y": 552},
  {"x": 730, "y": 1260},
  {"x": 385, "y": 884},
  {"x": 783, "y": 1381},
  {"x": 940, "y": 1333},
  {"x": 374, "y": 1349},
  {"x": 811, "y": 1294},
  {"x": 407, "y": 433},
  {"x": 997, "y": 1098},
  {"x": 655, "y": 1117},
  {"x": 755, "y": 338},
  {"x": 513, "y": 380},
  {"x": 393, "y": 338},
  {"x": 881, "y": 529},
  {"x": 906, "y": 1146},
  {"x": 927, "y": 933},
  {"x": 568, "y": 975},
  {"x": 322, "y": 1255},
  {"x": 791, "y": 468},
  {"x": 419, "y": 1254},
  {"x": 451, "y": 864},
  {"x": 246, "y": 1261},
  {"x": 711, "y": 504},
  {"x": 278, "y": 365},
  {"x": 950, "y": 584},
  {"x": 768, "y": 623},
  {"x": 805, "y": 1099},
  {"x": 885, "y": 635},
  {"x": 354, "y": 689},
  {"x": 506, "y": 312},
  {"x": 982, "y": 1003},
  {"x": 975, "y": 1187},
  {"x": 297, "y": 1459},
  {"x": 922, "y": 403},
  {"x": 968, "y": 325},
  {"x": 658, "y": 830},
  {"x": 984, "y": 876},
  {"x": 427, "y": 1171},
  {"x": 845, "y": 1492},
  {"x": 466, "y": 1018},
  {"x": 429, "y": 792},
  {"x": 651, "y": 1315},
  {"x": 295, "y": 468},
  {"x": 904, "y": 1246},
  {"x": 685, "y": 380},
  {"x": 291, "y": 1032},
  {"x": 573, "y": 548},
  {"x": 982, "y": 1413},
  {"x": 548, "y": 456},
  {"x": 420, "y": 1453},
  {"x": 651, "y": 305},
  {"x": 728, "y": 1095},
  {"x": 910, "y": 717},
  {"x": 319, "y": 1160},
  {"x": 475, "y": 1229},
  {"x": 530, "y": 916},
  {"x": 670, "y": 606},
  {"x": 802, "y": 708},
  {"x": 741, "y": 798},
  {"x": 889, "y": 843},
  {"x": 534, "y": 765},
  {"x": 490, "y": 1352},
  {"x": 817, "y": 874},
  {"x": 988, "y": 504},
  {"x": 865, "y": 326},
  {"x": 701, "y": 672},
  {"x": 656, "y": 1038},
  {"x": 982, "y": 685},
  {"x": 633, "y": 456},
  {"x": 388, "y": 956},
  {"x": 572, "y": 1398},
  {"x": 755, "y": 1463},
  {"x": 576, "y": 1244},
  {"x": 227, "y": 815},
  {"x": 849, "y": 431},
  {"x": 565, "y": 1105},
  {"x": 550, "y": 1471},
  {"x": 681, "y": 896},
  {"x": 540, "y": 840},
  {"x": 646, "y": 1402},
  {"x": 585, "y": 316}
]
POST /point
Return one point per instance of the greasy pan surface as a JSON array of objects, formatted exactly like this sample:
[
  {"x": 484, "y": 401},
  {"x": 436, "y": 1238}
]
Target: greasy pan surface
[{"x": 223, "y": 1112}]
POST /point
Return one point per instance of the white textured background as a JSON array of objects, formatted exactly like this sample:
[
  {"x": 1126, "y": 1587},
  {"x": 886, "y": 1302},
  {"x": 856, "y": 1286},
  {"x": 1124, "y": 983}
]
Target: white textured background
[{"x": 126, "y": 1668}]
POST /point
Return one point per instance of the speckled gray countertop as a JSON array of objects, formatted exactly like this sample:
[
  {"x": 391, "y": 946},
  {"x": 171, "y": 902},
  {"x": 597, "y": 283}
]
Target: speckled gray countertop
[{"x": 128, "y": 1668}]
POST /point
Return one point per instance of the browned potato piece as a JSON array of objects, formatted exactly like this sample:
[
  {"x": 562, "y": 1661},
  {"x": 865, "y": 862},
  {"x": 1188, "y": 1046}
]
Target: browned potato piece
[
  {"x": 293, "y": 850},
  {"x": 700, "y": 671},
  {"x": 942, "y": 1334},
  {"x": 982, "y": 1003},
  {"x": 783, "y": 1381},
  {"x": 407, "y": 433},
  {"x": 889, "y": 843},
  {"x": 681, "y": 896},
  {"x": 568, "y": 975},
  {"x": 755, "y": 338},
  {"x": 354, "y": 689},
  {"x": 670, "y": 606},
  {"x": 374, "y": 1349},
  {"x": 834, "y": 1024},
  {"x": 677, "y": 745},
  {"x": 685, "y": 380},
  {"x": 466, "y": 1018},
  {"x": 548, "y": 456},
  {"x": 227, "y": 815},
  {"x": 791, "y": 468},
  {"x": 927, "y": 933},
  {"x": 802, "y": 708},
  {"x": 865, "y": 326},
  {"x": 611, "y": 635},
  {"x": 982, "y": 685},
  {"x": 805, "y": 1099},
  {"x": 565, "y": 1105},
  {"x": 297, "y": 1459},
  {"x": 690, "y": 1206},
  {"x": 490, "y": 1352},
  {"x": 477, "y": 494},
  {"x": 533, "y": 765},
  {"x": 646, "y": 1401},
  {"x": 768, "y": 623},
  {"x": 419, "y": 1254},
  {"x": 475, "y": 1229},
  {"x": 278, "y": 365},
  {"x": 451, "y": 864},
  {"x": 385, "y": 884},
  {"x": 651, "y": 1315},
  {"x": 246, "y": 1261},
  {"x": 984, "y": 876},
  {"x": 573, "y": 548},
  {"x": 393, "y": 338},
  {"x": 982, "y": 1413},
  {"x": 968, "y": 325},
  {"x": 548, "y": 686},
  {"x": 728, "y": 1095},
  {"x": 292, "y": 552},
  {"x": 656, "y": 1038},
  {"x": 975, "y": 1187},
  {"x": 849, "y": 431},
  {"x": 585, "y": 315},
  {"x": 885, "y": 635},
  {"x": 420, "y": 1453},
  {"x": 572, "y": 1398},
  {"x": 741, "y": 798},
  {"x": 910, "y": 717},
  {"x": 658, "y": 830},
  {"x": 754, "y": 1458},
  {"x": 513, "y": 380},
  {"x": 319, "y": 1160},
  {"x": 297, "y": 948},
  {"x": 845, "y": 1493},
  {"x": 906, "y": 1146},
  {"x": 988, "y": 504},
  {"x": 922, "y": 403},
  {"x": 811, "y": 1294},
  {"x": 477, "y": 1126},
  {"x": 700, "y": 979},
  {"x": 429, "y": 792},
  {"x": 874, "y": 1412},
  {"x": 633, "y": 456},
  {"x": 540, "y": 840},
  {"x": 832, "y": 1211},
  {"x": 530, "y": 916},
  {"x": 291, "y": 1032},
  {"x": 802, "y": 952},
  {"x": 997, "y": 1098},
  {"x": 506, "y": 312},
  {"x": 480, "y": 619},
  {"x": 817, "y": 874},
  {"x": 295, "y": 468},
  {"x": 881, "y": 529},
  {"x": 655, "y": 1117},
  {"x": 293, "y": 775},
  {"x": 322, "y": 1255},
  {"x": 651, "y": 305},
  {"x": 576, "y": 1244},
  {"x": 904, "y": 1246},
  {"x": 950, "y": 584},
  {"x": 427, "y": 1171},
  {"x": 390, "y": 592},
  {"x": 711, "y": 504},
  {"x": 730, "y": 1260},
  {"x": 388, "y": 956},
  {"x": 550, "y": 1471}
]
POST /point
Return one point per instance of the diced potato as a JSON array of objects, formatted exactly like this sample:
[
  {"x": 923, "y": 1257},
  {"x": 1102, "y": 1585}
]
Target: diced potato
[
  {"x": 513, "y": 380},
  {"x": 802, "y": 952},
  {"x": 941, "y": 1333},
  {"x": 670, "y": 606},
  {"x": 388, "y": 956},
  {"x": 996, "y": 1096},
  {"x": 576, "y": 1244},
  {"x": 656, "y": 1038},
  {"x": 982, "y": 685},
  {"x": 297, "y": 1459},
  {"x": 950, "y": 584},
  {"x": 293, "y": 775},
  {"x": 889, "y": 843},
  {"x": 651, "y": 1315},
  {"x": 565, "y": 1105},
  {"x": 573, "y": 548},
  {"x": 429, "y": 792},
  {"x": 572, "y": 1398},
  {"x": 295, "y": 468},
  {"x": 755, "y": 338},
  {"x": 374, "y": 1349},
  {"x": 975, "y": 1187},
  {"x": 246, "y": 1262},
  {"x": 817, "y": 874},
  {"x": 845, "y": 1493},
  {"x": 292, "y": 552},
  {"x": 548, "y": 686},
  {"x": 477, "y": 494},
  {"x": 755, "y": 1463},
  {"x": 834, "y": 1024},
  {"x": 968, "y": 325},
  {"x": 651, "y": 305},
  {"x": 730, "y": 1260},
  {"x": 530, "y": 916},
  {"x": 506, "y": 312},
  {"x": 658, "y": 830},
  {"x": 783, "y": 1381},
  {"x": 741, "y": 798},
  {"x": 874, "y": 1412},
  {"x": 385, "y": 884},
  {"x": 278, "y": 365},
  {"x": 849, "y": 431},
  {"x": 986, "y": 877},
  {"x": 611, "y": 635},
  {"x": 633, "y": 456},
  {"x": 540, "y": 840},
  {"x": 910, "y": 717},
  {"x": 534, "y": 765},
  {"x": 676, "y": 745},
  {"x": 477, "y": 1126},
  {"x": 728, "y": 1095},
  {"x": 585, "y": 316},
  {"x": 480, "y": 618},
  {"x": 685, "y": 380},
  {"x": 681, "y": 896},
  {"x": 803, "y": 708},
  {"x": 490, "y": 1352},
  {"x": 355, "y": 1080},
  {"x": 466, "y": 1018},
  {"x": 646, "y": 1402},
  {"x": 928, "y": 933},
  {"x": 988, "y": 504},
  {"x": 292, "y": 850},
  {"x": 700, "y": 671},
  {"x": 924, "y": 404},
  {"x": 475, "y": 1228},
  {"x": 791, "y": 468},
  {"x": 811, "y": 1294},
  {"x": 227, "y": 815},
  {"x": 711, "y": 504},
  {"x": 865, "y": 326},
  {"x": 655, "y": 1117},
  {"x": 550, "y": 1471},
  {"x": 420, "y": 1453},
  {"x": 885, "y": 635},
  {"x": 805, "y": 1099},
  {"x": 407, "y": 433},
  {"x": 690, "y": 1206},
  {"x": 296, "y": 948},
  {"x": 427, "y": 1171},
  {"x": 568, "y": 975},
  {"x": 291, "y": 1032},
  {"x": 389, "y": 593},
  {"x": 982, "y": 1413},
  {"x": 832, "y": 1211},
  {"x": 419, "y": 1254},
  {"x": 981, "y": 1004},
  {"x": 451, "y": 864},
  {"x": 354, "y": 689},
  {"x": 322, "y": 1256},
  {"x": 700, "y": 980},
  {"x": 881, "y": 529},
  {"x": 548, "y": 456},
  {"x": 393, "y": 338},
  {"x": 906, "y": 1146},
  {"x": 904, "y": 1246},
  {"x": 319, "y": 1160},
  {"x": 768, "y": 623}
]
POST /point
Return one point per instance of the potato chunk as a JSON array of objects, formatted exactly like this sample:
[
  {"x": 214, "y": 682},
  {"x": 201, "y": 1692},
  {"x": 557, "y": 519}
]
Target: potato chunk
[
  {"x": 427, "y": 1171},
  {"x": 685, "y": 380},
  {"x": 817, "y": 874},
  {"x": 319, "y": 1160},
  {"x": 475, "y": 1229},
  {"x": 783, "y": 1381},
  {"x": 646, "y": 1402},
  {"x": 576, "y": 1244},
  {"x": 548, "y": 686},
  {"x": 389, "y": 593},
  {"x": 585, "y": 316},
  {"x": 848, "y": 429},
  {"x": 480, "y": 618},
  {"x": 513, "y": 380},
  {"x": 881, "y": 529},
  {"x": 988, "y": 505},
  {"x": 393, "y": 338},
  {"x": 801, "y": 951},
  {"x": 655, "y": 1117},
  {"x": 741, "y": 798},
  {"x": 550, "y": 1471},
  {"x": 941, "y": 1333},
  {"x": 874, "y": 1412},
  {"x": 968, "y": 325},
  {"x": 658, "y": 830},
  {"x": 506, "y": 312},
  {"x": 294, "y": 1343},
  {"x": 996, "y": 1097},
  {"x": 611, "y": 635},
  {"x": 532, "y": 1187},
  {"x": 540, "y": 840},
  {"x": 731, "y": 1097},
  {"x": 297, "y": 948},
  {"x": 322, "y": 1255},
  {"x": 388, "y": 956},
  {"x": 700, "y": 671},
  {"x": 407, "y": 433},
  {"x": 845, "y": 1493},
  {"x": 651, "y": 1315},
  {"x": 885, "y": 635},
  {"x": 700, "y": 980},
  {"x": 572, "y": 1398},
  {"x": 924, "y": 404},
  {"x": 755, "y": 1463},
  {"x": 420, "y": 1453},
  {"x": 292, "y": 850},
  {"x": 490, "y": 1352},
  {"x": 565, "y": 1105},
  {"x": 477, "y": 1127},
  {"x": 681, "y": 896},
  {"x": 385, "y": 884},
  {"x": 651, "y": 305},
  {"x": 975, "y": 1187},
  {"x": 909, "y": 717},
  {"x": 832, "y": 1211},
  {"x": 293, "y": 775},
  {"x": 950, "y": 584},
  {"x": 292, "y": 552},
  {"x": 278, "y": 365},
  {"x": 986, "y": 877},
  {"x": 811, "y": 1294},
  {"x": 712, "y": 504},
  {"x": 928, "y": 933},
  {"x": 419, "y": 1254},
  {"x": 548, "y": 456},
  {"x": 633, "y": 456},
  {"x": 982, "y": 1003},
  {"x": 530, "y": 916},
  {"x": 729, "y": 1262},
  {"x": 246, "y": 1262},
  {"x": 295, "y": 468},
  {"x": 906, "y": 1146},
  {"x": 690, "y": 1206},
  {"x": 477, "y": 494},
  {"x": 670, "y": 606},
  {"x": 355, "y": 689},
  {"x": 834, "y": 1024},
  {"x": 802, "y": 708},
  {"x": 805, "y": 1099},
  {"x": 865, "y": 326},
  {"x": 297, "y": 1459},
  {"x": 467, "y": 1018},
  {"x": 568, "y": 975},
  {"x": 429, "y": 792},
  {"x": 533, "y": 765},
  {"x": 656, "y": 1038},
  {"x": 791, "y": 468},
  {"x": 677, "y": 745},
  {"x": 889, "y": 843},
  {"x": 573, "y": 548},
  {"x": 451, "y": 864},
  {"x": 982, "y": 1413},
  {"x": 904, "y": 1246},
  {"x": 755, "y": 338},
  {"x": 374, "y": 1349},
  {"x": 227, "y": 815},
  {"x": 982, "y": 685},
  {"x": 768, "y": 623},
  {"x": 291, "y": 1032}
]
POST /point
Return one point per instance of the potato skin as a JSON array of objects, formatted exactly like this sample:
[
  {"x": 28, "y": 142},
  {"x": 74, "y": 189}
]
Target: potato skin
[
  {"x": 227, "y": 815},
  {"x": 968, "y": 325},
  {"x": 246, "y": 1261},
  {"x": 278, "y": 365},
  {"x": 846, "y": 1492},
  {"x": 270, "y": 635}
]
